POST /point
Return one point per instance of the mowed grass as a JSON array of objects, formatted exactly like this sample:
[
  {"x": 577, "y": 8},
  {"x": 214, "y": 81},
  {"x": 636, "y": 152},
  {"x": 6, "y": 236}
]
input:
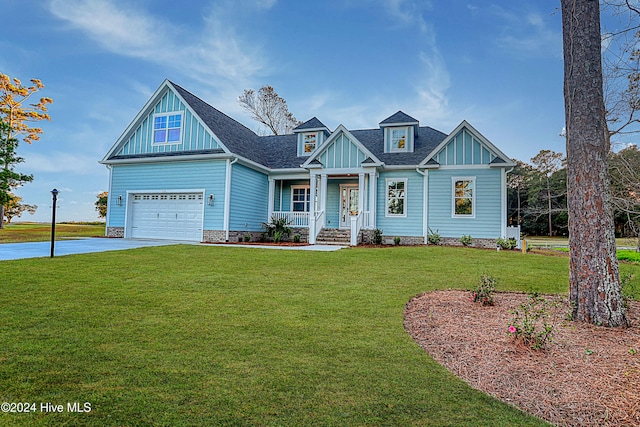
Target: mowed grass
[
  {"x": 35, "y": 232},
  {"x": 205, "y": 335}
]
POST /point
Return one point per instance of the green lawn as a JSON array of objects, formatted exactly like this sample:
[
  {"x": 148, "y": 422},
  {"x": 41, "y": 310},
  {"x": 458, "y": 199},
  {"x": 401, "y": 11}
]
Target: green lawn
[
  {"x": 208, "y": 335},
  {"x": 36, "y": 232}
]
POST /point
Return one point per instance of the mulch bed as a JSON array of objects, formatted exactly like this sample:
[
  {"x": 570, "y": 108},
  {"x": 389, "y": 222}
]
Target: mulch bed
[{"x": 587, "y": 376}]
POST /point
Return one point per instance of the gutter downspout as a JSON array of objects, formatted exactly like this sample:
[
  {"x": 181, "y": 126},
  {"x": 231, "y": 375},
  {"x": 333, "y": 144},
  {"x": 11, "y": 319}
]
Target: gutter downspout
[
  {"x": 227, "y": 197},
  {"x": 106, "y": 228},
  {"x": 425, "y": 204}
]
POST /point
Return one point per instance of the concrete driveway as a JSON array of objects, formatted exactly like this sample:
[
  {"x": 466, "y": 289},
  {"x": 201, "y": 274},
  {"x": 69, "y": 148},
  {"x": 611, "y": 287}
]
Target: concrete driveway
[
  {"x": 81, "y": 246},
  {"x": 9, "y": 251}
]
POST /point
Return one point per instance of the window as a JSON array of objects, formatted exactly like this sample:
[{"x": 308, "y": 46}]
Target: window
[
  {"x": 396, "y": 197},
  {"x": 310, "y": 141},
  {"x": 167, "y": 128},
  {"x": 398, "y": 140},
  {"x": 300, "y": 197},
  {"x": 463, "y": 197}
]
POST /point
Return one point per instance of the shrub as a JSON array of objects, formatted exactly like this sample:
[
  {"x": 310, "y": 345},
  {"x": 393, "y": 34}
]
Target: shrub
[
  {"x": 277, "y": 229},
  {"x": 484, "y": 292},
  {"x": 533, "y": 322},
  {"x": 247, "y": 237},
  {"x": 433, "y": 237},
  {"x": 396, "y": 240},
  {"x": 296, "y": 238},
  {"x": 376, "y": 239},
  {"x": 466, "y": 240},
  {"x": 508, "y": 244}
]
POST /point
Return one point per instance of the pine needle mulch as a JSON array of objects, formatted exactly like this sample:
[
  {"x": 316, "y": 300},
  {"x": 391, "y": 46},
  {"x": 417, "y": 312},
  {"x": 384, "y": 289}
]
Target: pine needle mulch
[{"x": 587, "y": 376}]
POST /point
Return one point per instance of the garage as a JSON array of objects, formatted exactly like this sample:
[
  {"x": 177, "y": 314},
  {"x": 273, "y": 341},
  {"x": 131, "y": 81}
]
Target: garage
[{"x": 176, "y": 216}]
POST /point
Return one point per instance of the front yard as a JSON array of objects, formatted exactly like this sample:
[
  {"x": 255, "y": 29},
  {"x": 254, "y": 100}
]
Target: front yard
[{"x": 207, "y": 335}]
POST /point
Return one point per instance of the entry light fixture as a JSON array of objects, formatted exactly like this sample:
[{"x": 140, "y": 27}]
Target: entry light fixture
[
  {"x": 211, "y": 197},
  {"x": 119, "y": 200}
]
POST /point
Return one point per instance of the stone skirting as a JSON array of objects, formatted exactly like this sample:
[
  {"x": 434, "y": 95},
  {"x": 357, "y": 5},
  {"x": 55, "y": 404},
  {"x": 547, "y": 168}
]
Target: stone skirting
[
  {"x": 258, "y": 236},
  {"x": 477, "y": 242},
  {"x": 115, "y": 232},
  {"x": 214, "y": 236}
]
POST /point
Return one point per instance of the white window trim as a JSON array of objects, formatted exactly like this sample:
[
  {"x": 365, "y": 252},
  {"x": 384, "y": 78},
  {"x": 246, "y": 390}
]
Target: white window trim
[
  {"x": 171, "y": 113},
  {"x": 308, "y": 153},
  {"x": 386, "y": 197},
  {"x": 406, "y": 140},
  {"x": 474, "y": 196},
  {"x": 308, "y": 188}
]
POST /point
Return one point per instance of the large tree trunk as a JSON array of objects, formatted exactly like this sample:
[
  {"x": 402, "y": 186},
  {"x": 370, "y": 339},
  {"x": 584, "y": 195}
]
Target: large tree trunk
[{"x": 594, "y": 276}]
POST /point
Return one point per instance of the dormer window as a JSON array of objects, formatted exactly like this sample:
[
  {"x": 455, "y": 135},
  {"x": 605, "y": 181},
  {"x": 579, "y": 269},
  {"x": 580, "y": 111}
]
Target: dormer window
[
  {"x": 398, "y": 140},
  {"x": 167, "y": 128},
  {"x": 310, "y": 142}
]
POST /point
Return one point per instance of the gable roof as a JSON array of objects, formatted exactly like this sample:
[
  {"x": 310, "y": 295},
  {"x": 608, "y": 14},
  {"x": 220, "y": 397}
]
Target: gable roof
[
  {"x": 311, "y": 124},
  {"x": 341, "y": 130},
  {"x": 398, "y": 118}
]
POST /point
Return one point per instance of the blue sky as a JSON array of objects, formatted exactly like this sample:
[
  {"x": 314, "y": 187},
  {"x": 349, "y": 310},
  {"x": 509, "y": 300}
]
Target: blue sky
[{"x": 495, "y": 64}]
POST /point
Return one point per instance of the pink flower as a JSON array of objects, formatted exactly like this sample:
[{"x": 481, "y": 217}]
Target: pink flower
[{"x": 512, "y": 329}]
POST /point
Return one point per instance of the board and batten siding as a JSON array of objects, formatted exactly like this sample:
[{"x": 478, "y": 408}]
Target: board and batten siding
[
  {"x": 167, "y": 176},
  {"x": 464, "y": 149},
  {"x": 488, "y": 215},
  {"x": 342, "y": 153},
  {"x": 249, "y": 199},
  {"x": 194, "y": 134},
  {"x": 411, "y": 224}
]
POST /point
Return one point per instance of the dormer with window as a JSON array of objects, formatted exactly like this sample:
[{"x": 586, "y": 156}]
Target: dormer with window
[
  {"x": 400, "y": 131},
  {"x": 311, "y": 134}
]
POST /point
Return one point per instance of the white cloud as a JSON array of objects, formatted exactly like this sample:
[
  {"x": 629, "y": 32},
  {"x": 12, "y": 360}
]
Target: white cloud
[
  {"x": 215, "y": 54},
  {"x": 529, "y": 34}
]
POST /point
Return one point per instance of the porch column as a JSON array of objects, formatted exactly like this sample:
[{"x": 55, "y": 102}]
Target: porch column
[
  {"x": 313, "y": 182},
  {"x": 361, "y": 193},
  {"x": 373, "y": 191},
  {"x": 272, "y": 193},
  {"x": 323, "y": 198}
]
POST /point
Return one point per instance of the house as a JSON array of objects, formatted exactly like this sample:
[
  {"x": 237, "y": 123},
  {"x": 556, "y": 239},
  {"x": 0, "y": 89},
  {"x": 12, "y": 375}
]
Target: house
[{"x": 184, "y": 170}]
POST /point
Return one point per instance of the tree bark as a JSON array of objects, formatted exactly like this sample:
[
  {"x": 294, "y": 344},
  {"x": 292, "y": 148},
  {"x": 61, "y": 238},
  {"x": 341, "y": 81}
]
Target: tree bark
[{"x": 595, "y": 289}]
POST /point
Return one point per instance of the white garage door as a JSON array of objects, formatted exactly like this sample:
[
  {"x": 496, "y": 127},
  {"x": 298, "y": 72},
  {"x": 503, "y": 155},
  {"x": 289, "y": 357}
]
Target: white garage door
[{"x": 167, "y": 216}]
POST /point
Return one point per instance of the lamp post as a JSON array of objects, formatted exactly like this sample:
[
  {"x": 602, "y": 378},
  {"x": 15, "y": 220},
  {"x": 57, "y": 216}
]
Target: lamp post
[{"x": 54, "y": 193}]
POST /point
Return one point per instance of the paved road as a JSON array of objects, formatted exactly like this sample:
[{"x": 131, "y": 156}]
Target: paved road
[{"x": 9, "y": 251}]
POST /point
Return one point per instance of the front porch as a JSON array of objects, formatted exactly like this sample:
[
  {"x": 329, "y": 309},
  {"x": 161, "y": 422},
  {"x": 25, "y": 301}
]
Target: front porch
[{"x": 339, "y": 200}]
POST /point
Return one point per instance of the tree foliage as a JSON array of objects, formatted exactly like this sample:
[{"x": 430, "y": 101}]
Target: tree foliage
[
  {"x": 13, "y": 208},
  {"x": 269, "y": 109},
  {"x": 101, "y": 204},
  {"x": 16, "y": 118}
]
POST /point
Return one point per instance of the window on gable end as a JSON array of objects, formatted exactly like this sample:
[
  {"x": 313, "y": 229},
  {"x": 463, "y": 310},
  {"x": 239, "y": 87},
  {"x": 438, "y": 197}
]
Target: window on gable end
[
  {"x": 398, "y": 140},
  {"x": 167, "y": 128},
  {"x": 464, "y": 197}
]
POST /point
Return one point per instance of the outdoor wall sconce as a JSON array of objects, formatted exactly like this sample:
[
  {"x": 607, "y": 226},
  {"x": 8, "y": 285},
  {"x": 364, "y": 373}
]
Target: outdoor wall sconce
[
  {"x": 211, "y": 197},
  {"x": 119, "y": 200},
  {"x": 54, "y": 194}
]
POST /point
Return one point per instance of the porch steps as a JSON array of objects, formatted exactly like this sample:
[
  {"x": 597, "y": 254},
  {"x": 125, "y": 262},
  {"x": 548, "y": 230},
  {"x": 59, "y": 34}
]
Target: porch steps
[{"x": 334, "y": 236}]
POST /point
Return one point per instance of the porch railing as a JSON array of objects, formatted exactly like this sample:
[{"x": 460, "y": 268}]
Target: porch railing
[
  {"x": 294, "y": 219},
  {"x": 356, "y": 226}
]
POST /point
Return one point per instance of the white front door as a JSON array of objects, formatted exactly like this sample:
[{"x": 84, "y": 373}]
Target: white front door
[{"x": 348, "y": 203}]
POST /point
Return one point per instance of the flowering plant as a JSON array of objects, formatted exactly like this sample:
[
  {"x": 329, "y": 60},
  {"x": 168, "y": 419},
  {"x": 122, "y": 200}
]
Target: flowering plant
[{"x": 484, "y": 292}]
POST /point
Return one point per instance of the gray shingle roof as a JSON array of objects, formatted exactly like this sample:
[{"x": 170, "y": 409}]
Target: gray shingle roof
[
  {"x": 399, "y": 117},
  {"x": 424, "y": 143},
  {"x": 312, "y": 123}
]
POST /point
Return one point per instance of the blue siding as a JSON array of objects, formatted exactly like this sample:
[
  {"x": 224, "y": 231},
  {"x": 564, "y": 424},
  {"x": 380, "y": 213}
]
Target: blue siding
[
  {"x": 464, "y": 149},
  {"x": 411, "y": 225},
  {"x": 286, "y": 194},
  {"x": 194, "y": 134},
  {"x": 342, "y": 153},
  {"x": 249, "y": 197},
  {"x": 487, "y": 221},
  {"x": 209, "y": 175}
]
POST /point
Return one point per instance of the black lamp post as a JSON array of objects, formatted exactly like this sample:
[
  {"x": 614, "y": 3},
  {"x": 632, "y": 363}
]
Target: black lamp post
[{"x": 54, "y": 193}]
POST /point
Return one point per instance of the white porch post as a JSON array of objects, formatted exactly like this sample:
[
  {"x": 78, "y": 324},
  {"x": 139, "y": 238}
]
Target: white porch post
[
  {"x": 313, "y": 182},
  {"x": 361, "y": 193},
  {"x": 272, "y": 193},
  {"x": 323, "y": 198},
  {"x": 373, "y": 189}
]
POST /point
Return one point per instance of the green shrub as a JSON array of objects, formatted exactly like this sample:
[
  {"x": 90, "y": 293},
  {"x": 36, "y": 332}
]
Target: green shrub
[
  {"x": 466, "y": 240},
  {"x": 484, "y": 292},
  {"x": 247, "y": 237},
  {"x": 376, "y": 239},
  {"x": 396, "y": 240},
  {"x": 277, "y": 229},
  {"x": 296, "y": 238},
  {"x": 433, "y": 237},
  {"x": 508, "y": 244},
  {"x": 533, "y": 322}
]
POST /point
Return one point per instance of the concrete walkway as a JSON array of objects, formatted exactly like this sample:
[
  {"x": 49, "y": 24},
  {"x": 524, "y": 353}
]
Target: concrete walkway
[{"x": 9, "y": 251}]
